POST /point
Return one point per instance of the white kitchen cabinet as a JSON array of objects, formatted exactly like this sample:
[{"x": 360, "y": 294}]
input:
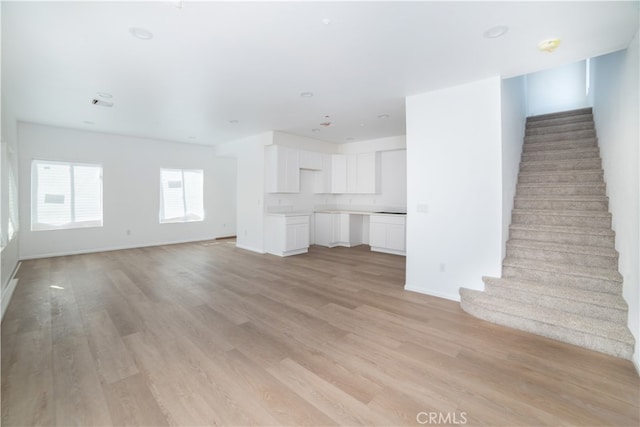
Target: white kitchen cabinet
[
  {"x": 282, "y": 169},
  {"x": 387, "y": 233},
  {"x": 338, "y": 173},
  {"x": 322, "y": 178},
  {"x": 355, "y": 173},
  {"x": 368, "y": 173},
  {"x": 310, "y": 160},
  {"x": 287, "y": 234}
]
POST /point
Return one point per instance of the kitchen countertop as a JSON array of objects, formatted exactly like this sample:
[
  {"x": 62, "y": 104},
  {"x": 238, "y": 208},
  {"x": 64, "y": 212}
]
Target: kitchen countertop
[
  {"x": 289, "y": 213},
  {"x": 361, "y": 212}
]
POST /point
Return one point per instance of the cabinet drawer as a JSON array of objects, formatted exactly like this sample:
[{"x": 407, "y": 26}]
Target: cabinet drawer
[
  {"x": 388, "y": 219},
  {"x": 302, "y": 219}
]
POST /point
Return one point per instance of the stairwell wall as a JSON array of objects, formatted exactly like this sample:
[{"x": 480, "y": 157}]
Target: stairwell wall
[
  {"x": 514, "y": 117},
  {"x": 614, "y": 82},
  {"x": 454, "y": 188}
]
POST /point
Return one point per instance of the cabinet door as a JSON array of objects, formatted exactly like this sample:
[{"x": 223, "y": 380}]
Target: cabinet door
[
  {"x": 297, "y": 233},
  {"x": 338, "y": 173},
  {"x": 396, "y": 237},
  {"x": 377, "y": 234},
  {"x": 282, "y": 170},
  {"x": 324, "y": 228},
  {"x": 368, "y": 173},
  {"x": 352, "y": 173},
  {"x": 310, "y": 160}
]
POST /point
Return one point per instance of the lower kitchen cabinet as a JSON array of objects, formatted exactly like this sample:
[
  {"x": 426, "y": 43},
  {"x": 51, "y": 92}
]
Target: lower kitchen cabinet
[
  {"x": 338, "y": 229},
  {"x": 287, "y": 234},
  {"x": 387, "y": 234}
]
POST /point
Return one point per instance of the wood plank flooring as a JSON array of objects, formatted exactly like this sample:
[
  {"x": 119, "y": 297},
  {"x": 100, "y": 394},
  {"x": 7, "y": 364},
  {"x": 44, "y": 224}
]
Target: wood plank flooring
[{"x": 208, "y": 334}]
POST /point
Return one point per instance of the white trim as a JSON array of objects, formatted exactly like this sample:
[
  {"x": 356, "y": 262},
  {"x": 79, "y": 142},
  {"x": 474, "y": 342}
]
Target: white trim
[
  {"x": 250, "y": 248},
  {"x": 408, "y": 287},
  {"x": 8, "y": 292},
  {"x": 112, "y": 248}
]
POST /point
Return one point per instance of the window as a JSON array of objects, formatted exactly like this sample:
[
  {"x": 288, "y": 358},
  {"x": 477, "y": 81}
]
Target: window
[
  {"x": 181, "y": 195},
  {"x": 65, "y": 195}
]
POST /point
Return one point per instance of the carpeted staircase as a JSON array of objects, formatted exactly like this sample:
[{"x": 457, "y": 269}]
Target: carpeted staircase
[{"x": 560, "y": 275}]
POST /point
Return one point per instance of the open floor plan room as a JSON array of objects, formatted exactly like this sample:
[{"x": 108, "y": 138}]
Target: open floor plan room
[{"x": 208, "y": 334}]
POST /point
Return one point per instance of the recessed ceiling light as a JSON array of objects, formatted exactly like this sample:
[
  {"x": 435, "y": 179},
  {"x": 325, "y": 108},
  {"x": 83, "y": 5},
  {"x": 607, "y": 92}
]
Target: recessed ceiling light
[
  {"x": 306, "y": 94},
  {"x": 315, "y": 130},
  {"x": 326, "y": 21},
  {"x": 362, "y": 124},
  {"x": 141, "y": 33},
  {"x": 495, "y": 32},
  {"x": 192, "y": 137},
  {"x": 350, "y": 138},
  {"x": 548, "y": 45},
  {"x": 101, "y": 103},
  {"x": 383, "y": 116},
  {"x": 105, "y": 95},
  {"x": 325, "y": 124},
  {"x": 89, "y": 122},
  {"x": 234, "y": 121}
]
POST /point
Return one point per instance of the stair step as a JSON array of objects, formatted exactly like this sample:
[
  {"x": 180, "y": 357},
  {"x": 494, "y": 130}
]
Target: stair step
[
  {"x": 590, "y": 219},
  {"x": 560, "y": 114},
  {"x": 582, "y": 203},
  {"x": 577, "y": 301},
  {"x": 561, "y": 136},
  {"x": 560, "y": 165},
  {"x": 581, "y": 176},
  {"x": 587, "y": 117},
  {"x": 560, "y": 189},
  {"x": 600, "y": 237},
  {"x": 572, "y": 153},
  {"x": 563, "y": 253},
  {"x": 569, "y": 144},
  {"x": 596, "y": 334},
  {"x": 558, "y": 128},
  {"x": 563, "y": 275}
]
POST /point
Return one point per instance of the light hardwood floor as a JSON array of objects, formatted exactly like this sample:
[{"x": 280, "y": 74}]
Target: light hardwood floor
[{"x": 204, "y": 334}]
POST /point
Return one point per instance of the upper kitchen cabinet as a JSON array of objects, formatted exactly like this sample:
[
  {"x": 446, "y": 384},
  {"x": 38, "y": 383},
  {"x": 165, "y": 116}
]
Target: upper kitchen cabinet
[
  {"x": 282, "y": 168},
  {"x": 355, "y": 173},
  {"x": 310, "y": 160}
]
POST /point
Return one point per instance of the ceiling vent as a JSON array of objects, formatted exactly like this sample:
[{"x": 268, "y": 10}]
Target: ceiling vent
[{"x": 101, "y": 103}]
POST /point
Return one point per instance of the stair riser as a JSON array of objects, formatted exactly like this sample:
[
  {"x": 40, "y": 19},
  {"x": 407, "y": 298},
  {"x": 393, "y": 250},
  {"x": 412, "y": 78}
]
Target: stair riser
[
  {"x": 532, "y": 178},
  {"x": 562, "y": 205},
  {"x": 560, "y": 115},
  {"x": 561, "y": 165},
  {"x": 559, "y": 121},
  {"x": 580, "y": 144},
  {"x": 564, "y": 238},
  {"x": 560, "y": 279},
  {"x": 560, "y": 155},
  {"x": 578, "y": 190},
  {"x": 556, "y": 303},
  {"x": 563, "y": 220},
  {"x": 561, "y": 136},
  {"x": 545, "y": 255},
  {"x": 567, "y": 127},
  {"x": 558, "y": 332}
]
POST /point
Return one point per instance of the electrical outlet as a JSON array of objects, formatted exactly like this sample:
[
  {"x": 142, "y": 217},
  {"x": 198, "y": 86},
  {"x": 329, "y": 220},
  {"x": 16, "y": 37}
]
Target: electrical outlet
[
  {"x": 442, "y": 267},
  {"x": 422, "y": 207}
]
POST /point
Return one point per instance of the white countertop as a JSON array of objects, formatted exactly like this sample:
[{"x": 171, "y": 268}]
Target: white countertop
[
  {"x": 360, "y": 212},
  {"x": 289, "y": 213}
]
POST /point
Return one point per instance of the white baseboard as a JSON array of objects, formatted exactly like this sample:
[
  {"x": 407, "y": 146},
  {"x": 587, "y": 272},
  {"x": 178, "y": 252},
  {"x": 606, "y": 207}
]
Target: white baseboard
[
  {"x": 250, "y": 248},
  {"x": 5, "y": 298},
  {"x": 408, "y": 287},
  {"x": 111, "y": 248}
]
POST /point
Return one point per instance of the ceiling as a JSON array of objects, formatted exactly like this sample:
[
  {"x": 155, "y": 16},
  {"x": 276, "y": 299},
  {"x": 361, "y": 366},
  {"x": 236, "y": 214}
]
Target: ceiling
[{"x": 218, "y": 71}]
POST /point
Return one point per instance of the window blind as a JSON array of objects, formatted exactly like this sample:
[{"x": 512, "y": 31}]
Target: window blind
[{"x": 65, "y": 195}]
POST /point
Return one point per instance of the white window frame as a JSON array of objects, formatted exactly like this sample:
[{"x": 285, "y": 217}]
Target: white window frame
[
  {"x": 37, "y": 225},
  {"x": 187, "y": 216}
]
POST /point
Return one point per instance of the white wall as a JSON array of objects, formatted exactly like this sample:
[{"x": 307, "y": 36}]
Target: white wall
[
  {"x": 249, "y": 154},
  {"x": 514, "y": 117},
  {"x": 559, "y": 89},
  {"x": 131, "y": 170},
  {"x": 615, "y": 107},
  {"x": 454, "y": 168}
]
